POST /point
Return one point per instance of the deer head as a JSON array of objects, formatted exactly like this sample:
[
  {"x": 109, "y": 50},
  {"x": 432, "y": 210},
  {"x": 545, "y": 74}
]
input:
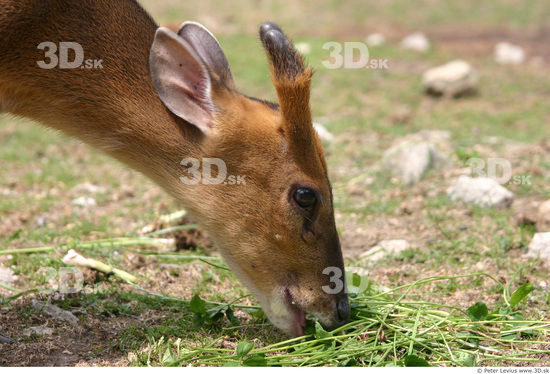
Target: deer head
[{"x": 276, "y": 229}]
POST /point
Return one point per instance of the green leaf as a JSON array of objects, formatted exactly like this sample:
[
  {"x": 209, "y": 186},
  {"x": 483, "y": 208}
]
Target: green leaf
[
  {"x": 358, "y": 284},
  {"x": 214, "y": 314},
  {"x": 197, "y": 305},
  {"x": 320, "y": 332},
  {"x": 520, "y": 294},
  {"x": 258, "y": 313},
  {"x": 231, "y": 317},
  {"x": 169, "y": 359},
  {"x": 243, "y": 348},
  {"x": 468, "y": 360},
  {"x": 478, "y": 312},
  {"x": 256, "y": 360},
  {"x": 415, "y": 361},
  {"x": 216, "y": 309},
  {"x": 309, "y": 329},
  {"x": 231, "y": 364},
  {"x": 197, "y": 319},
  {"x": 355, "y": 279},
  {"x": 213, "y": 318}
]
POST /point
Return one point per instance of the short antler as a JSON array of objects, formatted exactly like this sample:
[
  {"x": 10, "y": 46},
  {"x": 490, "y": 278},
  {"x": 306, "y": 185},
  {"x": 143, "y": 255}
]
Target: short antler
[{"x": 292, "y": 79}]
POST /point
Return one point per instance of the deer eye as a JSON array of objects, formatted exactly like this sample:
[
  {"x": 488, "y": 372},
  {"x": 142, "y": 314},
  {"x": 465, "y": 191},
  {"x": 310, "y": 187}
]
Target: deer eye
[{"x": 306, "y": 198}]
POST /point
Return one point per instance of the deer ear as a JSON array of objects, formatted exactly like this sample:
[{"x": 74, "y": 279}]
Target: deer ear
[
  {"x": 181, "y": 79},
  {"x": 208, "y": 49}
]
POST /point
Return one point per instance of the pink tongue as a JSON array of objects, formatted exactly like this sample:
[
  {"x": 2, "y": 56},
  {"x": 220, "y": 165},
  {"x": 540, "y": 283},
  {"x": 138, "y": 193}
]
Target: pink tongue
[
  {"x": 299, "y": 316},
  {"x": 298, "y": 329},
  {"x": 299, "y": 322}
]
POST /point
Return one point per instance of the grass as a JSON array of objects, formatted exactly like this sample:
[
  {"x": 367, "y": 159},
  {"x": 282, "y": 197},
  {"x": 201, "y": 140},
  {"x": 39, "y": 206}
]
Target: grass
[
  {"x": 393, "y": 327},
  {"x": 416, "y": 308},
  {"x": 388, "y": 327}
]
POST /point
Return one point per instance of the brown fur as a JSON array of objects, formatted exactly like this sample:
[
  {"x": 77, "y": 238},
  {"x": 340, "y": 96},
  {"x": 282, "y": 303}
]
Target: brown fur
[{"x": 258, "y": 227}]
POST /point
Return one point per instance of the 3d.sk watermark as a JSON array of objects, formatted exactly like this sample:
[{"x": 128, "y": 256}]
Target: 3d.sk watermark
[
  {"x": 351, "y": 55},
  {"x": 69, "y": 55},
  {"x": 359, "y": 284},
  {"x": 498, "y": 169},
  {"x": 208, "y": 171},
  {"x": 65, "y": 280}
]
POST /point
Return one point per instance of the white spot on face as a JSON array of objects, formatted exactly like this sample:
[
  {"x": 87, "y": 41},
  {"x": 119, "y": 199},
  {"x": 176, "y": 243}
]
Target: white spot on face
[
  {"x": 285, "y": 145},
  {"x": 278, "y": 237}
]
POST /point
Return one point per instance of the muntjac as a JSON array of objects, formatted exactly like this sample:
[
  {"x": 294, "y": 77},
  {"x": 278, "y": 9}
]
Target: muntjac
[{"x": 165, "y": 104}]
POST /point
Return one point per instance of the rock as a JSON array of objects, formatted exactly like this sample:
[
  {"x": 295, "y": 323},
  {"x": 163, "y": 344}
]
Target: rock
[
  {"x": 440, "y": 138},
  {"x": 7, "y": 276},
  {"x": 41, "y": 221},
  {"x": 509, "y": 54},
  {"x": 88, "y": 188},
  {"x": 451, "y": 80},
  {"x": 5, "y": 339},
  {"x": 410, "y": 160},
  {"x": 84, "y": 201},
  {"x": 416, "y": 42},
  {"x": 323, "y": 133},
  {"x": 37, "y": 330},
  {"x": 375, "y": 40},
  {"x": 485, "y": 192},
  {"x": 535, "y": 214},
  {"x": 54, "y": 312},
  {"x": 384, "y": 248},
  {"x": 539, "y": 246},
  {"x": 525, "y": 219}
]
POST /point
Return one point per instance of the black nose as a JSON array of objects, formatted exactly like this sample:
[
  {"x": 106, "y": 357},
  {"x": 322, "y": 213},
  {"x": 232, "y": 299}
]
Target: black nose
[{"x": 343, "y": 309}]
